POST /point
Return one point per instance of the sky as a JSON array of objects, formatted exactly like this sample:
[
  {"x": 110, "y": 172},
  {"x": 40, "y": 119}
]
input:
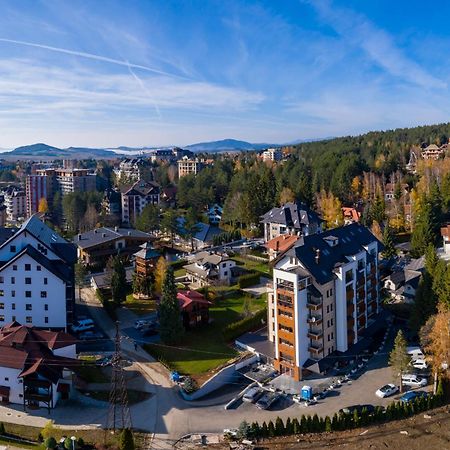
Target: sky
[{"x": 107, "y": 73}]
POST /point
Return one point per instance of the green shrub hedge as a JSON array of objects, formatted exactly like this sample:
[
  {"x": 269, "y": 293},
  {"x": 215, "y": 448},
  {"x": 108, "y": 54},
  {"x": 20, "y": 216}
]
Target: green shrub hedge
[
  {"x": 178, "y": 264},
  {"x": 248, "y": 280},
  {"x": 235, "y": 329}
]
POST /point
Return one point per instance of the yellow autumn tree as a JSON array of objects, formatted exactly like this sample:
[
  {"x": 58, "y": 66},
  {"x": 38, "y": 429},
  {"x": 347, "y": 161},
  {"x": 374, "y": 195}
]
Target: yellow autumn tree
[
  {"x": 160, "y": 272},
  {"x": 356, "y": 187},
  {"x": 286, "y": 196},
  {"x": 330, "y": 208},
  {"x": 43, "y": 206}
]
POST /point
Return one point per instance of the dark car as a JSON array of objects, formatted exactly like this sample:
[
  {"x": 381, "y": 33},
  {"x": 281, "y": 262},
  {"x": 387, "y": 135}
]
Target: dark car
[
  {"x": 412, "y": 395},
  {"x": 359, "y": 408}
]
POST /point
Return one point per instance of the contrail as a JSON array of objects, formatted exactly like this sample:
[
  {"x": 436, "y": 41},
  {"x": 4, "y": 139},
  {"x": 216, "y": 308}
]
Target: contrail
[{"x": 92, "y": 56}]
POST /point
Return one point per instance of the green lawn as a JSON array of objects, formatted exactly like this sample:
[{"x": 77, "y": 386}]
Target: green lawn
[
  {"x": 204, "y": 349},
  {"x": 256, "y": 266},
  {"x": 140, "y": 307},
  {"x": 180, "y": 272}
]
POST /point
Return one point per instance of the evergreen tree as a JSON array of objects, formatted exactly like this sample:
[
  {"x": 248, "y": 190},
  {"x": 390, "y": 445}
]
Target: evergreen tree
[
  {"x": 303, "y": 424},
  {"x": 399, "y": 358},
  {"x": 118, "y": 281},
  {"x": 264, "y": 430},
  {"x": 244, "y": 430},
  {"x": 50, "y": 443},
  {"x": 328, "y": 427},
  {"x": 270, "y": 429},
  {"x": 170, "y": 321},
  {"x": 315, "y": 424},
  {"x": 279, "y": 427},
  {"x": 388, "y": 242},
  {"x": 126, "y": 440},
  {"x": 295, "y": 426},
  {"x": 288, "y": 426}
]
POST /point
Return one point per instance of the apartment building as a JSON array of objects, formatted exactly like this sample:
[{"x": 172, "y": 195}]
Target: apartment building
[
  {"x": 36, "y": 277},
  {"x": 15, "y": 202},
  {"x": 38, "y": 187},
  {"x": 292, "y": 218},
  {"x": 326, "y": 293},
  {"x": 130, "y": 169},
  {"x": 272, "y": 154},
  {"x": 187, "y": 166},
  {"x": 137, "y": 197}
]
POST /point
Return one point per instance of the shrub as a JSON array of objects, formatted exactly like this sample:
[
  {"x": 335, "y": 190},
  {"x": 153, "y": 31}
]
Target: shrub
[
  {"x": 295, "y": 426},
  {"x": 244, "y": 430},
  {"x": 328, "y": 427},
  {"x": 126, "y": 440},
  {"x": 50, "y": 443},
  {"x": 190, "y": 385},
  {"x": 178, "y": 264},
  {"x": 235, "y": 329},
  {"x": 248, "y": 280},
  {"x": 279, "y": 427},
  {"x": 271, "y": 429}
]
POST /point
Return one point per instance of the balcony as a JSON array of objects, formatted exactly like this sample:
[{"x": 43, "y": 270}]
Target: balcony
[
  {"x": 285, "y": 285},
  {"x": 314, "y": 303},
  {"x": 315, "y": 348},
  {"x": 315, "y": 319},
  {"x": 315, "y": 334}
]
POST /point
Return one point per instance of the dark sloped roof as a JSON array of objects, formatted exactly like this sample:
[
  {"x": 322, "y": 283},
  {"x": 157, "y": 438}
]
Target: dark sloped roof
[
  {"x": 292, "y": 215},
  {"x": 352, "y": 239},
  {"x": 101, "y": 235},
  {"x": 143, "y": 188}
]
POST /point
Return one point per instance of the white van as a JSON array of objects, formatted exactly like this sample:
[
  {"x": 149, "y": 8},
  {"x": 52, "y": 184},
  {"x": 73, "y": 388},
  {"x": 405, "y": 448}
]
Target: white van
[
  {"x": 414, "y": 380},
  {"x": 83, "y": 325},
  {"x": 415, "y": 353},
  {"x": 252, "y": 394}
]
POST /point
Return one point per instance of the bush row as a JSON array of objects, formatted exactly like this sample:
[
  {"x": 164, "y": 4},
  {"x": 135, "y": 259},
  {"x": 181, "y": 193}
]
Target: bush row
[
  {"x": 235, "y": 329},
  {"x": 178, "y": 264},
  {"x": 339, "y": 422},
  {"x": 224, "y": 238},
  {"x": 248, "y": 280}
]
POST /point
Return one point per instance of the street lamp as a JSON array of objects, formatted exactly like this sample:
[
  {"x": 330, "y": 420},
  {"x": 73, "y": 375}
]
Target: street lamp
[{"x": 73, "y": 438}]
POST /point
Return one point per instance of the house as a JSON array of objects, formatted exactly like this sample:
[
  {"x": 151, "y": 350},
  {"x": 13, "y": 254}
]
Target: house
[
  {"x": 445, "y": 233},
  {"x": 102, "y": 280},
  {"x": 433, "y": 152},
  {"x": 214, "y": 214},
  {"x": 272, "y": 154},
  {"x": 280, "y": 245},
  {"x": 202, "y": 237},
  {"x": 402, "y": 284},
  {"x": 96, "y": 246},
  {"x": 145, "y": 260},
  {"x": 169, "y": 196},
  {"x": 194, "y": 308},
  {"x": 37, "y": 277},
  {"x": 137, "y": 197},
  {"x": 351, "y": 215},
  {"x": 389, "y": 191},
  {"x": 188, "y": 166},
  {"x": 291, "y": 218},
  {"x": 35, "y": 366},
  {"x": 326, "y": 294},
  {"x": 207, "y": 268}
]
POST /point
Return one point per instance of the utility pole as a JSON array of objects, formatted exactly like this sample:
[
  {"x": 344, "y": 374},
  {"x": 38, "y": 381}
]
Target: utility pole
[{"x": 119, "y": 417}]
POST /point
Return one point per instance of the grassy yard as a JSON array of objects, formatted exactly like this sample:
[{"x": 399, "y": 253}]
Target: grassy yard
[
  {"x": 140, "y": 307},
  {"x": 256, "y": 266},
  {"x": 180, "y": 272},
  {"x": 205, "y": 349}
]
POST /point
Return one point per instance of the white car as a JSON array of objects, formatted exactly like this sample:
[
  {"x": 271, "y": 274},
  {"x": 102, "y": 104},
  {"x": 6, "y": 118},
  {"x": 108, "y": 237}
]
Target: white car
[
  {"x": 387, "y": 390},
  {"x": 419, "y": 364},
  {"x": 414, "y": 380},
  {"x": 141, "y": 323}
]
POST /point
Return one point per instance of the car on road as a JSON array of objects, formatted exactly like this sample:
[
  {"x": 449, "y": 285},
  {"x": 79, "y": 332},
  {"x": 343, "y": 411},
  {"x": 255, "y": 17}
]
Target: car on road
[
  {"x": 90, "y": 335},
  {"x": 412, "y": 380},
  {"x": 105, "y": 361},
  {"x": 420, "y": 364},
  {"x": 415, "y": 353},
  {"x": 267, "y": 400},
  {"x": 359, "y": 408},
  {"x": 253, "y": 394},
  {"x": 83, "y": 325},
  {"x": 412, "y": 395},
  {"x": 142, "y": 323},
  {"x": 387, "y": 390}
]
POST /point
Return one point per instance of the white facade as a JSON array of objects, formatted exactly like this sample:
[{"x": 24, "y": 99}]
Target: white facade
[{"x": 16, "y": 205}]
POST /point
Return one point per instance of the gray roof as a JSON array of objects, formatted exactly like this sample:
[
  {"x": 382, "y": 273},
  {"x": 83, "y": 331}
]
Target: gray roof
[
  {"x": 147, "y": 251},
  {"x": 143, "y": 188},
  {"x": 351, "y": 240},
  {"x": 101, "y": 235},
  {"x": 292, "y": 215}
]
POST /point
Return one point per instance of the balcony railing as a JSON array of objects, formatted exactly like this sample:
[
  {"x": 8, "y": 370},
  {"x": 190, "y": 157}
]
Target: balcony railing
[
  {"x": 315, "y": 334},
  {"x": 315, "y": 347},
  {"x": 314, "y": 303}
]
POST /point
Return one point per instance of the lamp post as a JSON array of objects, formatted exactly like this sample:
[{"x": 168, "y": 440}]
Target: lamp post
[{"x": 73, "y": 439}]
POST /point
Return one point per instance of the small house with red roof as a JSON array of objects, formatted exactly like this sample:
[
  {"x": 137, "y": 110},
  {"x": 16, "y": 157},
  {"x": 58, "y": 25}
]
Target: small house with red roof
[
  {"x": 281, "y": 244},
  {"x": 35, "y": 366},
  {"x": 351, "y": 215},
  {"x": 194, "y": 308}
]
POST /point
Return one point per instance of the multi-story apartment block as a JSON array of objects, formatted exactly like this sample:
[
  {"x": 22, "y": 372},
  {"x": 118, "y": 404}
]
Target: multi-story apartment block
[
  {"x": 15, "y": 202},
  {"x": 38, "y": 187},
  {"x": 169, "y": 155},
  {"x": 291, "y": 218},
  {"x": 187, "y": 165},
  {"x": 326, "y": 293},
  {"x": 130, "y": 169},
  {"x": 36, "y": 277},
  {"x": 137, "y": 197},
  {"x": 272, "y": 154},
  {"x": 75, "y": 180}
]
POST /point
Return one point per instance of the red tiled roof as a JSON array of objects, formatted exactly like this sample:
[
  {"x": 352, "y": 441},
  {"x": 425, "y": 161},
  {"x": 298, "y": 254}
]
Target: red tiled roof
[
  {"x": 351, "y": 213},
  {"x": 282, "y": 243},
  {"x": 185, "y": 298},
  {"x": 445, "y": 231}
]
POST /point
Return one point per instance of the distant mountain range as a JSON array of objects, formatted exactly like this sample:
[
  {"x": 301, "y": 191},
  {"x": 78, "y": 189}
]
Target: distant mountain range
[{"x": 44, "y": 151}]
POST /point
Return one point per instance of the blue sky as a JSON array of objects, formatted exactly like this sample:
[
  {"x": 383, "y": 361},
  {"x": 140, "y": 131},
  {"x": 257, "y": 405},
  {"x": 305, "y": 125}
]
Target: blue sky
[{"x": 162, "y": 72}]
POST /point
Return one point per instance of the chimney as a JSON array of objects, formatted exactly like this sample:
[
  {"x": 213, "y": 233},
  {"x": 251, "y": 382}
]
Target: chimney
[
  {"x": 317, "y": 256},
  {"x": 79, "y": 237},
  {"x": 116, "y": 228}
]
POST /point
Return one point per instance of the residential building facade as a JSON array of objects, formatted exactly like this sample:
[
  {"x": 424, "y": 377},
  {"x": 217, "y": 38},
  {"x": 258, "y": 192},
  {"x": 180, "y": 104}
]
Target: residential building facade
[
  {"x": 272, "y": 154},
  {"x": 137, "y": 197},
  {"x": 326, "y": 293},
  {"x": 187, "y": 166},
  {"x": 15, "y": 202}
]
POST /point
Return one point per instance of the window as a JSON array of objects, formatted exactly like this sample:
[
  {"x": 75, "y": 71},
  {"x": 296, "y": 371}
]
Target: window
[
  {"x": 38, "y": 268},
  {"x": 2, "y": 318},
  {"x": 225, "y": 273},
  {"x": 20, "y": 395},
  {"x": 2, "y": 306},
  {"x": 332, "y": 322},
  {"x": 2, "y": 280},
  {"x": 43, "y": 294},
  {"x": 331, "y": 307},
  {"x": 27, "y": 280},
  {"x": 45, "y": 280},
  {"x": 29, "y": 319},
  {"x": 332, "y": 335},
  {"x": 328, "y": 307},
  {"x": 13, "y": 306},
  {"x": 14, "y": 267},
  {"x": 27, "y": 267},
  {"x": 328, "y": 323},
  {"x": 328, "y": 338},
  {"x": 2, "y": 293},
  {"x": 13, "y": 280},
  {"x": 28, "y": 306},
  {"x": 46, "y": 319},
  {"x": 28, "y": 294},
  {"x": 12, "y": 248},
  {"x": 46, "y": 307},
  {"x": 13, "y": 293},
  {"x": 6, "y": 378},
  {"x": 13, "y": 318}
]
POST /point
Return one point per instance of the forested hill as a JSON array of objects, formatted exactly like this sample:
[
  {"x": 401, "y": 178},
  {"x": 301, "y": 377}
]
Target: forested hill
[{"x": 378, "y": 150}]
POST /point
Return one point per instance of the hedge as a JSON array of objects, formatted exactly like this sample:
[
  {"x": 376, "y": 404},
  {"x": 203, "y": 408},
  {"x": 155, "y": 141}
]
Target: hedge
[
  {"x": 248, "y": 280},
  {"x": 235, "y": 329},
  {"x": 341, "y": 422},
  {"x": 178, "y": 264}
]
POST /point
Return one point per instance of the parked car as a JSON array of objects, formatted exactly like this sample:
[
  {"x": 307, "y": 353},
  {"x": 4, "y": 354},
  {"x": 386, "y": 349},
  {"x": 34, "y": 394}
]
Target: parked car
[
  {"x": 267, "y": 400},
  {"x": 359, "y": 408},
  {"x": 253, "y": 394},
  {"x": 412, "y": 395},
  {"x": 105, "y": 361},
  {"x": 83, "y": 325},
  {"x": 142, "y": 323},
  {"x": 415, "y": 352},
  {"x": 412, "y": 380},
  {"x": 420, "y": 364},
  {"x": 90, "y": 335},
  {"x": 387, "y": 390}
]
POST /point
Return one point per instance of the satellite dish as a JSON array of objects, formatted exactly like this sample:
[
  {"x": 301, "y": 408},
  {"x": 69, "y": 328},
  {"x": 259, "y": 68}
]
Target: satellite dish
[{"x": 313, "y": 319}]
